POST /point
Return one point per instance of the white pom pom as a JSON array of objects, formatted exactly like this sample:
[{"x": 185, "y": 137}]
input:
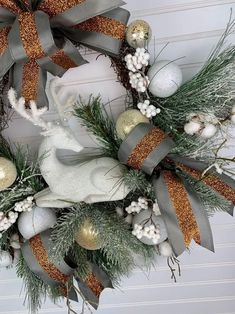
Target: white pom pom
[
  {"x": 208, "y": 131},
  {"x": 165, "y": 249},
  {"x": 233, "y": 119},
  {"x": 192, "y": 127},
  {"x": 119, "y": 211}
]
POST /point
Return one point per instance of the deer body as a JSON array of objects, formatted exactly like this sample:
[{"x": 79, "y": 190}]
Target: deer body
[{"x": 97, "y": 180}]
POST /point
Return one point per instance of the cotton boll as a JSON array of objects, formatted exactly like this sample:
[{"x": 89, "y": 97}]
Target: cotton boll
[
  {"x": 5, "y": 259},
  {"x": 165, "y": 249},
  {"x": 208, "y": 131},
  {"x": 192, "y": 127}
]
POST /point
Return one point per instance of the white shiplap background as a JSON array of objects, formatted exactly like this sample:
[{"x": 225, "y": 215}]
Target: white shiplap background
[{"x": 207, "y": 284}]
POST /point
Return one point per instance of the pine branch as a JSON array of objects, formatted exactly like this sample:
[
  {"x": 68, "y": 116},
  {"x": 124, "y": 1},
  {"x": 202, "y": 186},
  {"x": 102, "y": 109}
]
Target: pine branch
[{"x": 94, "y": 117}]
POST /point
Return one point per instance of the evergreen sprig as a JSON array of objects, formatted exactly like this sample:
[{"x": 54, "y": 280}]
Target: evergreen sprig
[
  {"x": 95, "y": 118},
  {"x": 118, "y": 244}
]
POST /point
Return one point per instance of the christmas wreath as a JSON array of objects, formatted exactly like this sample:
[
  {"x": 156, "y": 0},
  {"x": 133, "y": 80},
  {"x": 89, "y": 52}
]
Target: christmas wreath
[{"x": 73, "y": 230}]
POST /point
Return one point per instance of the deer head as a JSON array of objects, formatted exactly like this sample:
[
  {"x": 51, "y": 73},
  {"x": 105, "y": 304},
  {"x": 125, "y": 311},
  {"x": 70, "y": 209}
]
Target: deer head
[{"x": 62, "y": 136}]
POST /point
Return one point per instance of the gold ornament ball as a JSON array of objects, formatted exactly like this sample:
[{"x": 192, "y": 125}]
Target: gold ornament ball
[
  {"x": 8, "y": 173},
  {"x": 127, "y": 121},
  {"x": 87, "y": 237},
  {"x": 138, "y": 34}
]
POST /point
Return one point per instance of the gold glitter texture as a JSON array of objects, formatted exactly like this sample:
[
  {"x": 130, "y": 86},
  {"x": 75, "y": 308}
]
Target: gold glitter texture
[
  {"x": 29, "y": 36},
  {"x": 94, "y": 284},
  {"x": 30, "y": 80},
  {"x": 146, "y": 145},
  {"x": 54, "y": 7},
  {"x": 104, "y": 25},
  {"x": 10, "y": 5},
  {"x": 183, "y": 209},
  {"x": 61, "y": 59},
  {"x": 213, "y": 181},
  {"x": 41, "y": 256},
  {"x": 3, "y": 39}
]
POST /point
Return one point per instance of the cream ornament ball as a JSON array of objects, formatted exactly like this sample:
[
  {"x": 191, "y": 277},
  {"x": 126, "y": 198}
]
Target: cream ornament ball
[
  {"x": 165, "y": 78},
  {"x": 8, "y": 173},
  {"x": 127, "y": 121},
  {"x": 5, "y": 259},
  {"x": 138, "y": 34},
  {"x": 36, "y": 221}
]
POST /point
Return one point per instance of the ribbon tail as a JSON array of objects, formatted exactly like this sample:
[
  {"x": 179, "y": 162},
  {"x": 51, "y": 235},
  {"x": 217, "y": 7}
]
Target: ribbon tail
[
  {"x": 222, "y": 184},
  {"x": 29, "y": 80},
  {"x": 175, "y": 234},
  {"x": 92, "y": 287},
  {"x": 183, "y": 213},
  {"x": 206, "y": 237}
]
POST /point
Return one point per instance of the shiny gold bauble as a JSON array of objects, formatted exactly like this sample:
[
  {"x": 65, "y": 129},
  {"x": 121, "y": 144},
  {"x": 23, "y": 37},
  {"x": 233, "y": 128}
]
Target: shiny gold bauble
[
  {"x": 127, "y": 121},
  {"x": 138, "y": 34},
  {"x": 8, "y": 173},
  {"x": 87, "y": 237}
]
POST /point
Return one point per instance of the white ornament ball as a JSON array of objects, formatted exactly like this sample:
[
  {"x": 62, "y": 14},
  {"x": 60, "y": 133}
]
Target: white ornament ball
[
  {"x": 165, "y": 249},
  {"x": 165, "y": 78},
  {"x": 8, "y": 173},
  {"x": 36, "y": 221},
  {"x": 192, "y": 127},
  {"x": 146, "y": 218},
  {"x": 208, "y": 131},
  {"x": 5, "y": 259}
]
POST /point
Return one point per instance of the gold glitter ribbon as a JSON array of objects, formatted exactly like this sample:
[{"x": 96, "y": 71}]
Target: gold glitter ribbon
[
  {"x": 211, "y": 180},
  {"x": 147, "y": 144},
  {"x": 183, "y": 208},
  {"x": 94, "y": 284},
  {"x": 42, "y": 257}
]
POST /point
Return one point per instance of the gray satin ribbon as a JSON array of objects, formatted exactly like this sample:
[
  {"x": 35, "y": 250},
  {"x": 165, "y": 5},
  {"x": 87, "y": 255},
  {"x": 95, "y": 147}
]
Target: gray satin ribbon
[
  {"x": 168, "y": 212},
  {"x": 201, "y": 166},
  {"x": 154, "y": 158}
]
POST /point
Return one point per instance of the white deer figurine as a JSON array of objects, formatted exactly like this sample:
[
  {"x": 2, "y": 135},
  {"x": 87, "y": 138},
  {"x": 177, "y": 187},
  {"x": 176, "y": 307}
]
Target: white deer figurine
[{"x": 97, "y": 180}]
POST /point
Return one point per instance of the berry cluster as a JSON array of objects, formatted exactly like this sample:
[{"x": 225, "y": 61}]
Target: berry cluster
[
  {"x": 138, "y": 61},
  {"x": 151, "y": 232},
  {"x": 136, "y": 207},
  {"x": 139, "y": 82},
  {"x": 6, "y": 221},
  {"x": 25, "y": 206},
  {"x": 148, "y": 110}
]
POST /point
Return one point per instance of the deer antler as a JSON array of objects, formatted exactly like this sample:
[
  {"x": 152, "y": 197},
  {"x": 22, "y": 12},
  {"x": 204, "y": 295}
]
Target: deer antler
[{"x": 33, "y": 115}]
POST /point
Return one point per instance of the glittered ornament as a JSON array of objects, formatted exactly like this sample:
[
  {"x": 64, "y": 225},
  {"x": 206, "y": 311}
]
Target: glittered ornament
[
  {"x": 5, "y": 259},
  {"x": 153, "y": 230},
  {"x": 8, "y": 173},
  {"x": 127, "y": 121},
  {"x": 138, "y": 34},
  {"x": 88, "y": 237},
  {"x": 36, "y": 221},
  {"x": 165, "y": 78}
]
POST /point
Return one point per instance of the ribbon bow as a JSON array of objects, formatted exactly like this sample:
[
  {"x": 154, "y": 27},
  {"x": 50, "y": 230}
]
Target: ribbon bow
[
  {"x": 181, "y": 207},
  {"x": 36, "y": 37}
]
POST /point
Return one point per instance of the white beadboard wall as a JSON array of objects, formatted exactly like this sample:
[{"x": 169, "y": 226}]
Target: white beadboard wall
[{"x": 207, "y": 284}]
